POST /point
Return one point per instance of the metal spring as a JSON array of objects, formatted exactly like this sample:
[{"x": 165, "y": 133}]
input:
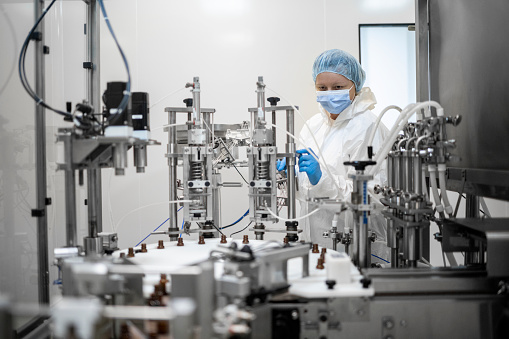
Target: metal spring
[
  {"x": 262, "y": 170},
  {"x": 195, "y": 172}
]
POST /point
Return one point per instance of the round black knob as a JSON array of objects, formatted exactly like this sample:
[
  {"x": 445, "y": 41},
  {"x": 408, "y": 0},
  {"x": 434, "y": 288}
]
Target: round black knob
[
  {"x": 190, "y": 184},
  {"x": 330, "y": 284},
  {"x": 273, "y": 101},
  {"x": 188, "y": 102},
  {"x": 365, "y": 282},
  {"x": 252, "y": 183}
]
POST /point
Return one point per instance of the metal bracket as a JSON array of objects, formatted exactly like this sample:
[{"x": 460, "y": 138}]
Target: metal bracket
[{"x": 38, "y": 213}]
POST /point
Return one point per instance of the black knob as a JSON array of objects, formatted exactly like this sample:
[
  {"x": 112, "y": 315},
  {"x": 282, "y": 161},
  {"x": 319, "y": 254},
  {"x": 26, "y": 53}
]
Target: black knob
[
  {"x": 365, "y": 282},
  {"x": 188, "y": 102},
  {"x": 190, "y": 184},
  {"x": 268, "y": 184},
  {"x": 252, "y": 183},
  {"x": 359, "y": 165},
  {"x": 330, "y": 284},
  {"x": 273, "y": 101},
  {"x": 207, "y": 183}
]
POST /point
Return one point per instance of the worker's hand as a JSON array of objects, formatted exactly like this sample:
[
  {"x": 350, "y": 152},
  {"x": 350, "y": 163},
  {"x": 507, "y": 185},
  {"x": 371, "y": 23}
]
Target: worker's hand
[
  {"x": 281, "y": 164},
  {"x": 308, "y": 164}
]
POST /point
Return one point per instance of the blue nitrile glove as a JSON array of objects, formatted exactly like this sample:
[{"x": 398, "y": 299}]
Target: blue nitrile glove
[
  {"x": 308, "y": 164},
  {"x": 281, "y": 164}
]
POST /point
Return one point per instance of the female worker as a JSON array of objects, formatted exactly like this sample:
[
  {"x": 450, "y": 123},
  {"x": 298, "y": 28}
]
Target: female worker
[{"x": 340, "y": 131}]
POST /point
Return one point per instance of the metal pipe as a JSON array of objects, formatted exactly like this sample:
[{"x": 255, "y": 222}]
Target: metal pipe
[
  {"x": 290, "y": 164},
  {"x": 196, "y": 100},
  {"x": 216, "y": 201},
  {"x": 94, "y": 201},
  {"x": 40, "y": 165},
  {"x": 70, "y": 192},
  {"x": 409, "y": 171},
  {"x": 417, "y": 172},
  {"x": 172, "y": 164},
  {"x": 363, "y": 242},
  {"x": 355, "y": 241},
  {"x": 120, "y": 158},
  {"x": 274, "y": 127},
  {"x": 93, "y": 30},
  {"x": 390, "y": 169},
  {"x": 472, "y": 211},
  {"x": 396, "y": 165},
  {"x": 404, "y": 171},
  {"x": 260, "y": 90}
]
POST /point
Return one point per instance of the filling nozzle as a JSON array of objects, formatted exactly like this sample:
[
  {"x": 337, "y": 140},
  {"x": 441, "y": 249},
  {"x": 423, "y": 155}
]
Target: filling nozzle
[
  {"x": 120, "y": 158},
  {"x": 140, "y": 158}
]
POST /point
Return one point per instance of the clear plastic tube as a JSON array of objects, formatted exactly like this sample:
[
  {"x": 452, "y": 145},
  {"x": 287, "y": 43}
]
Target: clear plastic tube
[
  {"x": 400, "y": 124},
  {"x": 442, "y": 182},
  {"x": 424, "y": 186},
  {"x": 379, "y": 119},
  {"x": 433, "y": 181},
  {"x": 296, "y": 219}
]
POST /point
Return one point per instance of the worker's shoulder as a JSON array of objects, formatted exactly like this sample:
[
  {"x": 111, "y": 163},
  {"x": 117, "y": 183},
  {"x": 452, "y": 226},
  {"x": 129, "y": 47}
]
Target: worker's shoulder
[{"x": 364, "y": 117}]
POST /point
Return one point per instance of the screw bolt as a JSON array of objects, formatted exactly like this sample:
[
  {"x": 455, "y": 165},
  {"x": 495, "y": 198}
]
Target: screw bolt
[
  {"x": 160, "y": 246},
  {"x": 315, "y": 249},
  {"x": 245, "y": 239},
  {"x": 144, "y": 248},
  {"x": 180, "y": 242},
  {"x": 223, "y": 239},
  {"x": 285, "y": 240},
  {"x": 201, "y": 240},
  {"x": 122, "y": 255},
  {"x": 131, "y": 253}
]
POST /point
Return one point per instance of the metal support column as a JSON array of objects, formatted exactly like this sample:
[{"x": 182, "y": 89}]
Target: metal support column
[
  {"x": 93, "y": 31},
  {"x": 70, "y": 191},
  {"x": 172, "y": 164},
  {"x": 94, "y": 201},
  {"x": 40, "y": 161},
  {"x": 291, "y": 184},
  {"x": 472, "y": 211}
]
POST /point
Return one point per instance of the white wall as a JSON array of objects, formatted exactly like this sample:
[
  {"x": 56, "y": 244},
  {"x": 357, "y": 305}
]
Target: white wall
[{"x": 228, "y": 44}]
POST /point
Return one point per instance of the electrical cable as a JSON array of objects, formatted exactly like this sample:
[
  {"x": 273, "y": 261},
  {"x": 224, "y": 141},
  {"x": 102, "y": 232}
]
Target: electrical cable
[
  {"x": 217, "y": 229},
  {"x": 181, "y": 228},
  {"x": 164, "y": 222},
  {"x": 231, "y": 235},
  {"x": 22, "y": 69},
  {"x": 236, "y": 222},
  {"x": 149, "y": 205},
  {"x": 376, "y": 256},
  {"x": 127, "y": 93}
]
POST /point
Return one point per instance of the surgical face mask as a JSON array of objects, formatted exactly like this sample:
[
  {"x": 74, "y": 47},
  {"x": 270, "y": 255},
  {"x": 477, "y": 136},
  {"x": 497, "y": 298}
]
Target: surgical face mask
[{"x": 334, "y": 102}]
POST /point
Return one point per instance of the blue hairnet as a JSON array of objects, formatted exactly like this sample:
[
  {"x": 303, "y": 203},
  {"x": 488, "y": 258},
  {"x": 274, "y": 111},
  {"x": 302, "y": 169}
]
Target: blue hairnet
[{"x": 340, "y": 62}]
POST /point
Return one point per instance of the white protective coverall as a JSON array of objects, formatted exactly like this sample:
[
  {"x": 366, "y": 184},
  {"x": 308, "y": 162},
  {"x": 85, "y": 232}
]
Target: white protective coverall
[{"x": 340, "y": 140}]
